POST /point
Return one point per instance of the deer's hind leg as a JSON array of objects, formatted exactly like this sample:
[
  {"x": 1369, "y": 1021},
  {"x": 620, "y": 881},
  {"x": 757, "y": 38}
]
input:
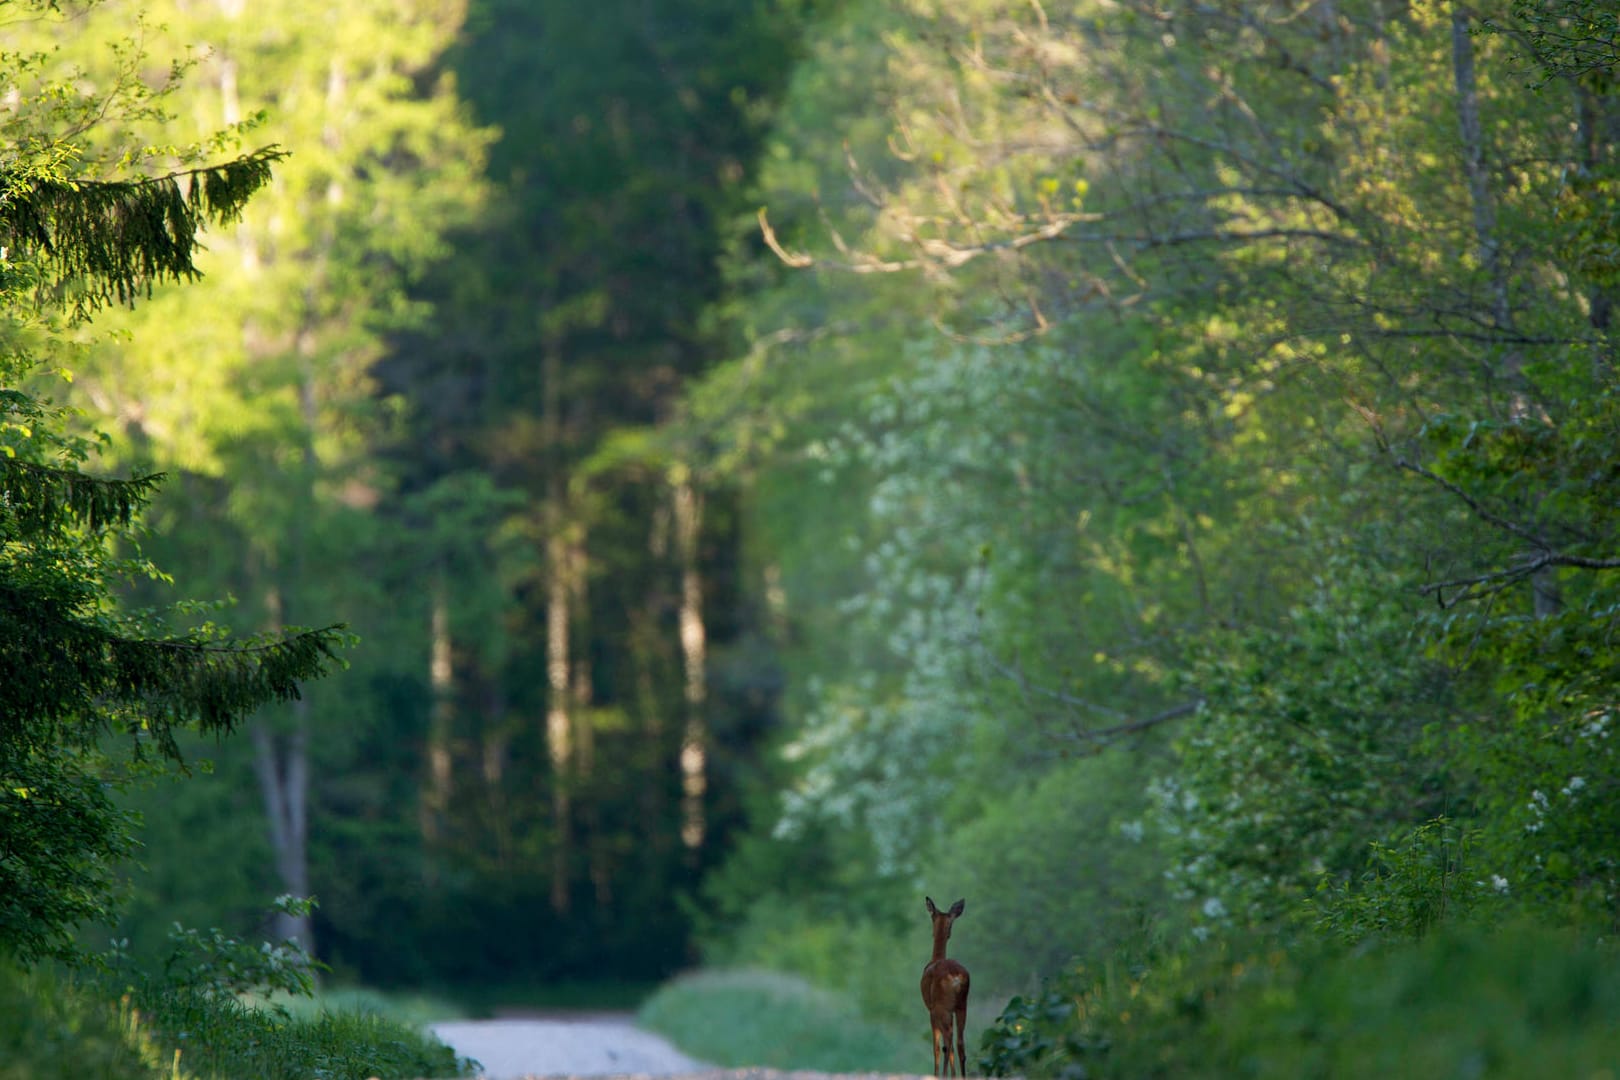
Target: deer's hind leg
[{"x": 961, "y": 1027}]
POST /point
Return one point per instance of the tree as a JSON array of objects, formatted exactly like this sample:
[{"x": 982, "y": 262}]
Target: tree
[
  {"x": 78, "y": 675},
  {"x": 1232, "y": 331},
  {"x": 584, "y": 725},
  {"x": 299, "y": 296}
]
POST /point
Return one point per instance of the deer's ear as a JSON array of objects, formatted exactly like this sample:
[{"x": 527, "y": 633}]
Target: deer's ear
[
  {"x": 932, "y": 910},
  {"x": 958, "y": 907}
]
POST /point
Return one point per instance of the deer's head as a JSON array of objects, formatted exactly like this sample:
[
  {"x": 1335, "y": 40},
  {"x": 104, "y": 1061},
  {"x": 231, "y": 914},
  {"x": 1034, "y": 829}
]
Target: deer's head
[{"x": 943, "y": 919}]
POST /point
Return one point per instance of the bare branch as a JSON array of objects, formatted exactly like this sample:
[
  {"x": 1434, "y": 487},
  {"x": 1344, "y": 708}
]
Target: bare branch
[
  {"x": 1486, "y": 515},
  {"x": 1124, "y": 724},
  {"x": 940, "y": 254},
  {"x": 790, "y": 258},
  {"x": 1131, "y": 727},
  {"x": 1491, "y": 582}
]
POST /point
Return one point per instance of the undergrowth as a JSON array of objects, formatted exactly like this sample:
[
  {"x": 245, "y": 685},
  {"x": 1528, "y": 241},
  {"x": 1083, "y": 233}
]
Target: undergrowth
[
  {"x": 215, "y": 1007},
  {"x": 56, "y": 1026},
  {"x": 758, "y": 1018},
  {"x": 222, "y": 1037},
  {"x": 1462, "y": 1002},
  {"x": 52, "y": 1027}
]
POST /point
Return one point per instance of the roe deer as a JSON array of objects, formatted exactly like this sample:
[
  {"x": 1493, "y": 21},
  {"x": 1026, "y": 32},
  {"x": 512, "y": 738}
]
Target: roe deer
[{"x": 945, "y": 991}]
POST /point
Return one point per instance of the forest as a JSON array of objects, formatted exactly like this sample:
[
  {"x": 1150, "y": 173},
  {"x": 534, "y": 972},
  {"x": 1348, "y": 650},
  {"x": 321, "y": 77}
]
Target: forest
[{"x": 528, "y": 500}]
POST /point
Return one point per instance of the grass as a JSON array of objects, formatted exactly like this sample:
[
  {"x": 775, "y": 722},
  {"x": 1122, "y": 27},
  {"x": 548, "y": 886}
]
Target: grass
[
  {"x": 759, "y": 1018},
  {"x": 413, "y": 1009},
  {"x": 52, "y": 1026},
  {"x": 216, "y": 1036}
]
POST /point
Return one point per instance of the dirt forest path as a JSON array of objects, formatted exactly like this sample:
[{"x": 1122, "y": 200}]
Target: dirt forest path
[
  {"x": 602, "y": 1045},
  {"x": 595, "y": 1046}
]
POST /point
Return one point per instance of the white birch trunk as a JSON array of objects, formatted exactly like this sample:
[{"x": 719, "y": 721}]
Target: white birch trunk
[{"x": 688, "y": 507}]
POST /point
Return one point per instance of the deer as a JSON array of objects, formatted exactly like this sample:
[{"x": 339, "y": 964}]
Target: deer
[{"x": 945, "y": 991}]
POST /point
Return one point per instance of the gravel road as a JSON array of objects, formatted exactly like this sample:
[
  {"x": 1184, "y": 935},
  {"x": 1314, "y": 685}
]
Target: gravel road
[
  {"x": 608, "y": 1046},
  {"x": 595, "y": 1046}
]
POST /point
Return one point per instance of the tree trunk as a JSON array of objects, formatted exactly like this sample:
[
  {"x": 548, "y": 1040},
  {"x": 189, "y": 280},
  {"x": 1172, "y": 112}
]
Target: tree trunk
[
  {"x": 559, "y": 722},
  {"x": 281, "y": 760},
  {"x": 688, "y": 507},
  {"x": 1597, "y": 129},
  {"x": 496, "y": 738},
  {"x": 559, "y": 622},
  {"x": 435, "y": 803},
  {"x": 1544, "y": 592},
  {"x": 1474, "y": 164}
]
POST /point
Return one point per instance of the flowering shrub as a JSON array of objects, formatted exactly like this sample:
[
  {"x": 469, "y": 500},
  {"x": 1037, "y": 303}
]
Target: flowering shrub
[{"x": 1302, "y": 755}]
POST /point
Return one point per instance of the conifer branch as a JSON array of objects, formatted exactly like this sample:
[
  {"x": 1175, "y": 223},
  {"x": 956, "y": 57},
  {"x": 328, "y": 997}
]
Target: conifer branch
[
  {"x": 41, "y": 498},
  {"x": 160, "y": 683},
  {"x": 117, "y": 239}
]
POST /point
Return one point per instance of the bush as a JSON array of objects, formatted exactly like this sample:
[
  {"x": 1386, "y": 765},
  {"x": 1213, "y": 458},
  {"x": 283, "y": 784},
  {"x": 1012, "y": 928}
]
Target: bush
[
  {"x": 1419, "y": 879},
  {"x": 773, "y": 1020},
  {"x": 1048, "y": 875},
  {"x": 220, "y": 1036},
  {"x": 874, "y": 965},
  {"x": 1307, "y": 748},
  {"x": 1519, "y": 1003},
  {"x": 196, "y": 1007}
]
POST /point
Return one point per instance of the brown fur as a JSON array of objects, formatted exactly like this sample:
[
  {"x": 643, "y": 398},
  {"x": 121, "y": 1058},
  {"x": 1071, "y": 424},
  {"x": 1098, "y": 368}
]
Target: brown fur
[{"x": 945, "y": 984}]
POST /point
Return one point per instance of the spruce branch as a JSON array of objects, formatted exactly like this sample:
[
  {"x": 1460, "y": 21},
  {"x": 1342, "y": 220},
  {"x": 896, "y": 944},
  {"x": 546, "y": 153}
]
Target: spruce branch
[
  {"x": 83, "y": 669},
  {"x": 116, "y": 239},
  {"x": 42, "y": 499}
]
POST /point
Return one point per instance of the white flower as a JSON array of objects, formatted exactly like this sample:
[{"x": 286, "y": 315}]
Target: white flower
[
  {"x": 1575, "y": 784},
  {"x": 1214, "y": 909},
  {"x": 1499, "y": 883}
]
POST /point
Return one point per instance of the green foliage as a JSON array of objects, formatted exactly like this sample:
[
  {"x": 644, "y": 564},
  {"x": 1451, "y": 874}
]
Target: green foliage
[
  {"x": 1519, "y": 1003},
  {"x": 1570, "y": 37},
  {"x": 1417, "y": 881},
  {"x": 1229, "y": 385},
  {"x": 75, "y": 668},
  {"x": 219, "y": 1006},
  {"x": 1271, "y": 409},
  {"x": 53, "y": 1029},
  {"x": 1550, "y": 820},
  {"x": 213, "y": 962},
  {"x": 1530, "y": 607},
  {"x": 64, "y": 837},
  {"x": 1056, "y": 871},
  {"x": 220, "y": 1036},
  {"x": 843, "y": 954},
  {"x": 1304, "y": 752},
  {"x": 764, "y": 1019}
]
